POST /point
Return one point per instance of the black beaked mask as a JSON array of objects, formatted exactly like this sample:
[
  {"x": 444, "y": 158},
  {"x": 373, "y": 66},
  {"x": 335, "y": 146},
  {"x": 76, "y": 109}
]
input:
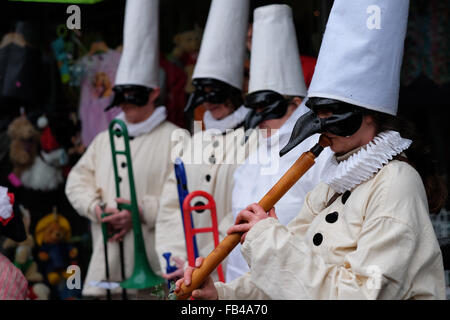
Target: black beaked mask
[
  {"x": 218, "y": 92},
  {"x": 345, "y": 120},
  {"x": 264, "y": 105},
  {"x": 134, "y": 94}
]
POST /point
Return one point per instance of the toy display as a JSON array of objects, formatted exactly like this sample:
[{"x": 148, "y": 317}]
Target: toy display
[
  {"x": 24, "y": 147},
  {"x": 24, "y": 261},
  {"x": 55, "y": 250}
]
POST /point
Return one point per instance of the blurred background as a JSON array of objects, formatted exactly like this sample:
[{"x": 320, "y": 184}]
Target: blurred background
[{"x": 55, "y": 83}]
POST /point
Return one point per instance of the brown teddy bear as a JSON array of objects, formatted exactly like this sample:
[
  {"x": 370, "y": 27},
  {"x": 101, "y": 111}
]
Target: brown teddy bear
[{"x": 24, "y": 147}]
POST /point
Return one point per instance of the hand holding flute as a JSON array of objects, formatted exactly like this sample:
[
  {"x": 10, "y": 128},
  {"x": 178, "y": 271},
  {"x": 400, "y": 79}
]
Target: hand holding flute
[
  {"x": 245, "y": 220},
  {"x": 186, "y": 286}
]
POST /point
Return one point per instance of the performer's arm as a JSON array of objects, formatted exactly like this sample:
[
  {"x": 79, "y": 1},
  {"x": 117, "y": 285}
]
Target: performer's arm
[
  {"x": 81, "y": 188},
  {"x": 382, "y": 265}
]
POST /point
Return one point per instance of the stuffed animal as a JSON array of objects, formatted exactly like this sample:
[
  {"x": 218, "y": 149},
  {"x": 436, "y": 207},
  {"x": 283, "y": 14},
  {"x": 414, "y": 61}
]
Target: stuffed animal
[
  {"x": 46, "y": 173},
  {"x": 39, "y": 291},
  {"x": 53, "y": 233},
  {"x": 23, "y": 252},
  {"x": 24, "y": 147},
  {"x": 185, "y": 53},
  {"x": 24, "y": 261}
]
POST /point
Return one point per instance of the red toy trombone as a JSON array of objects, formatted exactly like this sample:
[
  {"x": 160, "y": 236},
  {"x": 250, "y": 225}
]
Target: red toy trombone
[{"x": 191, "y": 232}]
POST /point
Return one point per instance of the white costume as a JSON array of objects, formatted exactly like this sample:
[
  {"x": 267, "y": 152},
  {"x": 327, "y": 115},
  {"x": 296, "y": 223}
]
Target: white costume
[
  {"x": 221, "y": 57},
  {"x": 92, "y": 181},
  {"x": 282, "y": 73},
  {"x": 375, "y": 241}
]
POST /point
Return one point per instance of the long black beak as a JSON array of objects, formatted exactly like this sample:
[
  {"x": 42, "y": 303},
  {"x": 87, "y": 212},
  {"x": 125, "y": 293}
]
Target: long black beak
[
  {"x": 252, "y": 119},
  {"x": 114, "y": 102},
  {"x": 305, "y": 127},
  {"x": 341, "y": 124},
  {"x": 195, "y": 99}
]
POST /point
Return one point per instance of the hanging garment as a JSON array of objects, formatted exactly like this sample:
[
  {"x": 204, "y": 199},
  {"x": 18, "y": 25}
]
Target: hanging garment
[{"x": 96, "y": 93}]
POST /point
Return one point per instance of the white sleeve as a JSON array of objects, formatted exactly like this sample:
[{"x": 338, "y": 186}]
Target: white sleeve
[{"x": 81, "y": 188}]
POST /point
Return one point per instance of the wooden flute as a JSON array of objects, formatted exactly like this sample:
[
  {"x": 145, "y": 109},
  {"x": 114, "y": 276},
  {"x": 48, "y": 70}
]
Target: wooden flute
[{"x": 294, "y": 173}]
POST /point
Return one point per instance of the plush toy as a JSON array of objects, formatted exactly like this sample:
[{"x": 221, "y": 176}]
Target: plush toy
[
  {"x": 24, "y": 147},
  {"x": 39, "y": 291},
  {"x": 185, "y": 52},
  {"x": 53, "y": 233},
  {"x": 24, "y": 261},
  {"x": 46, "y": 173},
  {"x": 23, "y": 251}
]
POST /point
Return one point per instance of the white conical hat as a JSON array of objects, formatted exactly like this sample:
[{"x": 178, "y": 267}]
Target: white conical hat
[
  {"x": 139, "y": 63},
  {"x": 275, "y": 60},
  {"x": 222, "y": 51},
  {"x": 361, "y": 54}
]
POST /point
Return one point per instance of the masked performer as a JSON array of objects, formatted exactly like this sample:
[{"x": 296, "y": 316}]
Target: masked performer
[
  {"x": 365, "y": 232},
  {"x": 91, "y": 181},
  {"x": 277, "y": 89},
  {"x": 211, "y": 156}
]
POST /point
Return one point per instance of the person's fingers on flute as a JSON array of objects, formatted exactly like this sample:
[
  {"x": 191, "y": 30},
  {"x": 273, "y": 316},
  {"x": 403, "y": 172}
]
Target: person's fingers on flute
[
  {"x": 243, "y": 216},
  {"x": 207, "y": 291},
  {"x": 257, "y": 210},
  {"x": 272, "y": 214},
  {"x": 188, "y": 274},
  {"x": 239, "y": 228}
]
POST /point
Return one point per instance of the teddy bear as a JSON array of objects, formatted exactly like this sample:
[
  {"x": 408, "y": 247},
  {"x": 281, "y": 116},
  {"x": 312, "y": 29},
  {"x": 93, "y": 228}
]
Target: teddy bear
[
  {"x": 53, "y": 233},
  {"x": 24, "y": 147}
]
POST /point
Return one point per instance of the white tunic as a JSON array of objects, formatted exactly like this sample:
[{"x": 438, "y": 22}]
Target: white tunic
[
  {"x": 253, "y": 179},
  {"x": 210, "y": 159},
  {"x": 91, "y": 181},
  {"x": 375, "y": 242}
]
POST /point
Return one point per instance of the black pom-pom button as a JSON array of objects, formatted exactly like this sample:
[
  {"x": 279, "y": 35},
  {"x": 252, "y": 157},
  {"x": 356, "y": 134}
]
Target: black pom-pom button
[
  {"x": 332, "y": 217},
  {"x": 317, "y": 239}
]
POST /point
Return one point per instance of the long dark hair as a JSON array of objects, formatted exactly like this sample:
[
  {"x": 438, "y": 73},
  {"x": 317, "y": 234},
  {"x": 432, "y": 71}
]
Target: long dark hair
[{"x": 419, "y": 156}]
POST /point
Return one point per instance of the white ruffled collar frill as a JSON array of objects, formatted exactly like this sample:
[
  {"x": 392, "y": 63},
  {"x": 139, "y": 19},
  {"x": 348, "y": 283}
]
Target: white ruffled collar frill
[
  {"x": 6, "y": 209},
  {"x": 229, "y": 122},
  {"x": 362, "y": 165},
  {"x": 146, "y": 126}
]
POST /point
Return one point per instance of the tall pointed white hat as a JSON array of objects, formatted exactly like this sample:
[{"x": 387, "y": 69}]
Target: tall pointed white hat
[
  {"x": 275, "y": 59},
  {"x": 139, "y": 63},
  {"x": 361, "y": 54},
  {"x": 222, "y": 51}
]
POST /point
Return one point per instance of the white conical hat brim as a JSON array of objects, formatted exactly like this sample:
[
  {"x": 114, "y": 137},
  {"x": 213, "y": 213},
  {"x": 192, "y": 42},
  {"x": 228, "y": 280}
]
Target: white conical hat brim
[
  {"x": 139, "y": 63},
  {"x": 359, "y": 63},
  {"x": 275, "y": 58},
  {"x": 222, "y": 51}
]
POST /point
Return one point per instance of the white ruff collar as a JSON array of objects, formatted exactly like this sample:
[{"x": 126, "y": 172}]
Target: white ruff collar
[
  {"x": 138, "y": 129},
  {"x": 229, "y": 122},
  {"x": 364, "y": 164}
]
